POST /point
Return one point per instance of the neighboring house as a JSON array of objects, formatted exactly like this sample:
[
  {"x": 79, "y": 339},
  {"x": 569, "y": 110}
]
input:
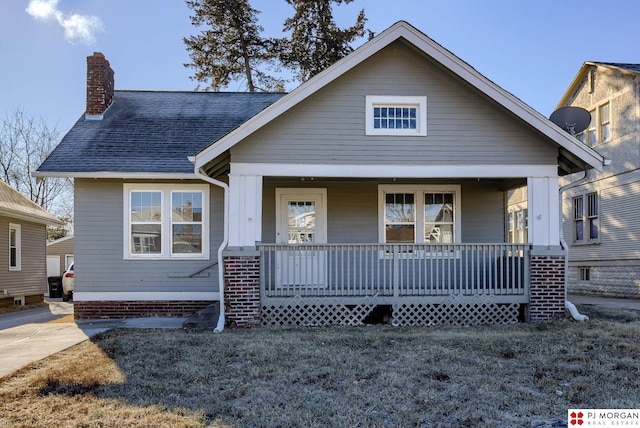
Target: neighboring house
[
  {"x": 601, "y": 221},
  {"x": 376, "y": 187},
  {"x": 59, "y": 255},
  {"x": 23, "y": 234}
]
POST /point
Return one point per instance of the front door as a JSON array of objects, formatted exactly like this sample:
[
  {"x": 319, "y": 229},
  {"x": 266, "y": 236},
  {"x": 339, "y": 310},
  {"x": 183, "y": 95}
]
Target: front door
[{"x": 301, "y": 218}]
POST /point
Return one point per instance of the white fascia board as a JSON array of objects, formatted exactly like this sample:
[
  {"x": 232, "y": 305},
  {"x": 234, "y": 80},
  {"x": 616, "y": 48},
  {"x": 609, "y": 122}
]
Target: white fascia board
[
  {"x": 428, "y": 46},
  {"x": 393, "y": 171},
  {"x": 124, "y": 175},
  {"x": 114, "y": 296}
]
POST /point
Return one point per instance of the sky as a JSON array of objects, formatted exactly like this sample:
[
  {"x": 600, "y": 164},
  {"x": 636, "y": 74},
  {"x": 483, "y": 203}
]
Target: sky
[{"x": 531, "y": 48}]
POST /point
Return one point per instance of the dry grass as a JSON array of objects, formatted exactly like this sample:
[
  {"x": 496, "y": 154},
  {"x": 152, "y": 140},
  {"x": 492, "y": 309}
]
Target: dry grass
[{"x": 379, "y": 376}]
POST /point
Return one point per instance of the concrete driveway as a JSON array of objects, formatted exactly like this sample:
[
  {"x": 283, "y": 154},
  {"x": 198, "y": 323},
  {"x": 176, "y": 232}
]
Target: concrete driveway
[{"x": 31, "y": 335}]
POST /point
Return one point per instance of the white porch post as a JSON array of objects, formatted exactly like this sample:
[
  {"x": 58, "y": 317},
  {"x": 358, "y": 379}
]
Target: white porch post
[
  {"x": 544, "y": 219},
  {"x": 245, "y": 210}
]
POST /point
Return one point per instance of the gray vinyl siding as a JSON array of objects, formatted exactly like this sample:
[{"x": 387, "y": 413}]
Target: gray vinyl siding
[
  {"x": 99, "y": 256},
  {"x": 352, "y": 210},
  {"x": 463, "y": 127},
  {"x": 619, "y": 223},
  {"x": 32, "y": 277},
  {"x": 62, "y": 249}
]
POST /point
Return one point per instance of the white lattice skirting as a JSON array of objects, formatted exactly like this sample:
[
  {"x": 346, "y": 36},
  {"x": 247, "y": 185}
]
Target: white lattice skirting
[{"x": 302, "y": 314}]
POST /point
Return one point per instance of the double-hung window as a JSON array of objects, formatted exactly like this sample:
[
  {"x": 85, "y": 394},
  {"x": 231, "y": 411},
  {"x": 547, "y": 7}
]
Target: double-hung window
[
  {"x": 518, "y": 230},
  {"x": 604, "y": 117},
  {"x": 586, "y": 218},
  {"x": 15, "y": 247},
  {"x": 419, "y": 214},
  {"x": 599, "y": 129},
  {"x": 396, "y": 115},
  {"x": 166, "y": 221}
]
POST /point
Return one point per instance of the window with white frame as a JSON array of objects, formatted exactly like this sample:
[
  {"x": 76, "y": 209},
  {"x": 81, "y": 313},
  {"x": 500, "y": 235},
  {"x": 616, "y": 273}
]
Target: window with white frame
[
  {"x": 599, "y": 129},
  {"x": 517, "y": 225},
  {"x": 396, "y": 115},
  {"x": 604, "y": 120},
  {"x": 586, "y": 218},
  {"x": 166, "y": 221},
  {"x": 15, "y": 247},
  {"x": 419, "y": 213}
]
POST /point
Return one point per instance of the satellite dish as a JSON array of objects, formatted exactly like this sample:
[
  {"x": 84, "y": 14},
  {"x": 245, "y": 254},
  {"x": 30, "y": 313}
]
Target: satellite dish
[{"x": 574, "y": 120}]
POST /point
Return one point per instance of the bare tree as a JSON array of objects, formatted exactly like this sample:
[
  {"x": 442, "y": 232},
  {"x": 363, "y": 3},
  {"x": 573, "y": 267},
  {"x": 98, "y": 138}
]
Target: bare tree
[{"x": 25, "y": 142}]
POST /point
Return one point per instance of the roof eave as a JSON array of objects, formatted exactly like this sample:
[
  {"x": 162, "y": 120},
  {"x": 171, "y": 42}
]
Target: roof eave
[
  {"x": 117, "y": 175},
  {"x": 48, "y": 221}
]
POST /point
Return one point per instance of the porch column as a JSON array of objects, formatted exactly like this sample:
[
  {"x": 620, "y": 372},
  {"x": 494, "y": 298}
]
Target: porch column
[
  {"x": 548, "y": 260},
  {"x": 245, "y": 210},
  {"x": 544, "y": 211},
  {"x": 241, "y": 259}
]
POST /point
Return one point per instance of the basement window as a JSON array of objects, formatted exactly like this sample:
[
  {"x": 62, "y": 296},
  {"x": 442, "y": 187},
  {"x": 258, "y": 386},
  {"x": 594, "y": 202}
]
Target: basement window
[{"x": 585, "y": 274}]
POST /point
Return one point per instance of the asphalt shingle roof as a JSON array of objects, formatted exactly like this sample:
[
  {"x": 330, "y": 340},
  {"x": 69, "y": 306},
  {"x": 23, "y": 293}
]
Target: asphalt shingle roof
[
  {"x": 631, "y": 67},
  {"x": 14, "y": 204},
  {"x": 153, "y": 131}
]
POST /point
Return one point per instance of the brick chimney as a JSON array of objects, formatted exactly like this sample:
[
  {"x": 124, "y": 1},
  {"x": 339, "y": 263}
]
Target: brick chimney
[{"x": 100, "y": 85}]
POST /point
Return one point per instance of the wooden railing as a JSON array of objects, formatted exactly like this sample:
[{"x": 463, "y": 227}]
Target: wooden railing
[{"x": 395, "y": 270}]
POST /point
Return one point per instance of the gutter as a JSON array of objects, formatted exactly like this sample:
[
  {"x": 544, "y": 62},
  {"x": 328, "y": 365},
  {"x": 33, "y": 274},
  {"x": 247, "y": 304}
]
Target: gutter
[
  {"x": 200, "y": 174},
  {"x": 565, "y": 247}
]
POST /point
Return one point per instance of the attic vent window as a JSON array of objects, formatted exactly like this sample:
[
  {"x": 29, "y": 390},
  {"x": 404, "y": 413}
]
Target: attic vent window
[{"x": 396, "y": 115}]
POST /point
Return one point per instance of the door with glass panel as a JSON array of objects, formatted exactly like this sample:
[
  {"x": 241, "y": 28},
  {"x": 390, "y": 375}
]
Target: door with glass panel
[{"x": 301, "y": 219}]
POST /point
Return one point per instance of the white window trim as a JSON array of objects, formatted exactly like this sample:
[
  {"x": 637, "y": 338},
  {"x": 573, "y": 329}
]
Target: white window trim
[
  {"x": 68, "y": 261},
  {"x": 420, "y": 102},
  {"x": 165, "y": 190},
  {"x": 586, "y": 227},
  {"x": 419, "y": 192},
  {"x": 18, "y": 229}
]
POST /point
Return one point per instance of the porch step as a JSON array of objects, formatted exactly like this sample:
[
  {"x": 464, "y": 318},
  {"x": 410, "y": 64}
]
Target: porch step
[{"x": 205, "y": 319}]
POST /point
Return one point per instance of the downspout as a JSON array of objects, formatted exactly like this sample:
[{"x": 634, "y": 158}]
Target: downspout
[
  {"x": 200, "y": 174},
  {"x": 567, "y": 304}
]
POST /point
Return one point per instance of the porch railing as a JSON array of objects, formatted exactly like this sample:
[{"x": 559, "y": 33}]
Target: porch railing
[{"x": 393, "y": 270}]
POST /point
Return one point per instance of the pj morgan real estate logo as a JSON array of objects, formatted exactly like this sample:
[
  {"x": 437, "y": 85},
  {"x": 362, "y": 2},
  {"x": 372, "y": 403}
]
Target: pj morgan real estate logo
[{"x": 603, "y": 418}]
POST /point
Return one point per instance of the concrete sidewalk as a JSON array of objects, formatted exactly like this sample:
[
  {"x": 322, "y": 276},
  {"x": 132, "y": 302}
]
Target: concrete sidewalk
[
  {"x": 32, "y": 335},
  {"x": 632, "y": 304}
]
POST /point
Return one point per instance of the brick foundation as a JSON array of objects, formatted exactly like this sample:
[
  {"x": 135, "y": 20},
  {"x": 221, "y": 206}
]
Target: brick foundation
[
  {"x": 547, "y": 287},
  {"x": 137, "y": 309},
  {"x": 242, "y": 290}
]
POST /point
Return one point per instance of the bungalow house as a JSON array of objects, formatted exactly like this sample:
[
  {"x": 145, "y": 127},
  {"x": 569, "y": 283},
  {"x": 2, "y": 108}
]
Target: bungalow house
[
  {"x": 600, "y": 207},
  {"x": 376, "y": 188},
  {"x": 23, "y": 234}
]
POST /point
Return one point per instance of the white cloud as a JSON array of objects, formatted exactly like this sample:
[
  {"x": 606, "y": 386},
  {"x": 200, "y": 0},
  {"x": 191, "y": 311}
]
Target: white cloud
[{"x": 77, "y": 28}]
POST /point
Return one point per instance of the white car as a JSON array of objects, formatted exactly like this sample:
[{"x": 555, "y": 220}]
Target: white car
[{"x": 67, "y": 284}]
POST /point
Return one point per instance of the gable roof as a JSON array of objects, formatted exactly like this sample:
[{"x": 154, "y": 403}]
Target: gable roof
[
  {"x": 573, "y": 155},
  {"x": 14, "y": 205},
  {"x": 150, "y": 133},
  {"x": 626, "y": 67}
]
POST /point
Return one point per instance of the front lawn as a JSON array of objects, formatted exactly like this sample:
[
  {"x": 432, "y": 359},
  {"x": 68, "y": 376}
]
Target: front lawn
[{"x": 376, "y": 376}]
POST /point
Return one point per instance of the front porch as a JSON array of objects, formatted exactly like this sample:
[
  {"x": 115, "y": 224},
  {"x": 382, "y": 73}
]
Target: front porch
[
  {"x": 414, "y": 283},
  {"x": 305, "y": 266}
]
